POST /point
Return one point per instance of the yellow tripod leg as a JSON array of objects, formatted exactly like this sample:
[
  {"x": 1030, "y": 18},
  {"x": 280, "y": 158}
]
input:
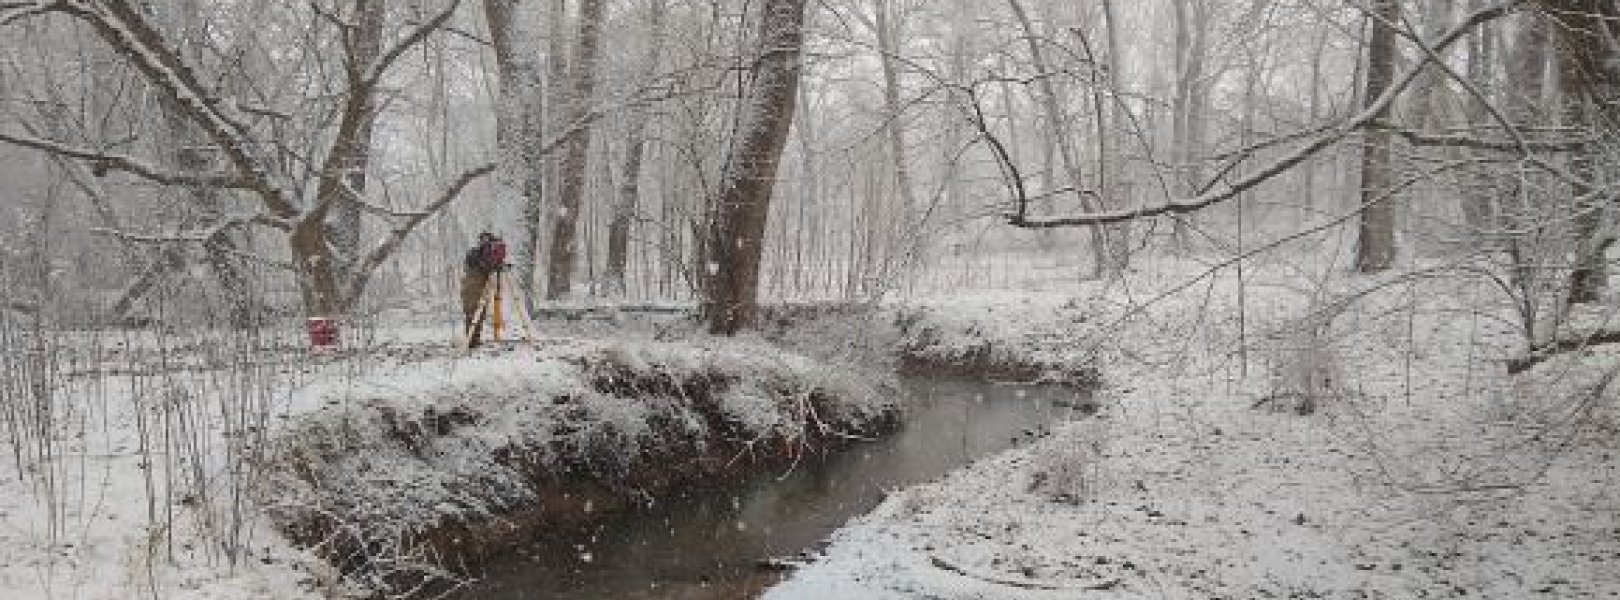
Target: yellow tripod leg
[
  {"x": 496, "y": 320},
  {"x": 478, "y": 314}
]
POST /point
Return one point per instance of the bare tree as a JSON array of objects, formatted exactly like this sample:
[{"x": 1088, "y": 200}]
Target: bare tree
[
  {"x": 1588, "y": 50},
  {"x": 295, "y": 201},
  {"x": 735, "y": 236}
]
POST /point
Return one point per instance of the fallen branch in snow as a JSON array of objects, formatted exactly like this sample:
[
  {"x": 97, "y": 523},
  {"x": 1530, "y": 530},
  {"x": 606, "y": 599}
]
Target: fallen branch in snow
[
  {"x": 1028, "y": 584},
  {"x": 1556, "y": 347}
]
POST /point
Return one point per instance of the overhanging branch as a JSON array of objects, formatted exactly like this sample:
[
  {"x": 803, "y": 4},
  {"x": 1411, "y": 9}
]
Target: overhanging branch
[
  {"x": 202, "y": 236},
  {"x": 397, "y": 235},
  {"x": 1330, "y": 136},
  {"x": 1418, "y": 138},
  {"x": 15, "y": 11},
  {"x": 100, "y": 162}
]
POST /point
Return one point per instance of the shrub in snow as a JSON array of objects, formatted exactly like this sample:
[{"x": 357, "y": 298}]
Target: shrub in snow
[{"x": 1070, "y": 466}]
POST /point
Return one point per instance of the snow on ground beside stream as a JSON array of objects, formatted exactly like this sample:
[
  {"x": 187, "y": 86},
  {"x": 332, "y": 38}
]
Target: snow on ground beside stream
[
  {"x": 1425, "y": 472},
  {"x": 142, "y": 491}
]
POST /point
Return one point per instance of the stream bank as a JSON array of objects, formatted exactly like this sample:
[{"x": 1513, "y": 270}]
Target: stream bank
[
  {"x": 730, "y": 541},
  {"x": 416, "y": 475}
]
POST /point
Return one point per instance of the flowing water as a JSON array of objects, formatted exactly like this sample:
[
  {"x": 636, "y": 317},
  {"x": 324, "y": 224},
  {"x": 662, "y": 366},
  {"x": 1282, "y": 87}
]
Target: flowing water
[{"x": 710, "y": 543}]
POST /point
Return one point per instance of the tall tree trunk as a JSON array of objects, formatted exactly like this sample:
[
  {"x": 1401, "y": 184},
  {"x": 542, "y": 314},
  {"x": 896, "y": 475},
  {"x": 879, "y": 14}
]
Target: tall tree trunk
[
  {"x": 736, "y": 231},
  {"x": 519, "y": 126},
  {"x": 1424, "y": 103},
  {"x": 889, "y": 40},
  {"x": 1310, "y": 166},
  {"x": 1375, "y": 250},
  {"x": 1187, "y": 105},
  {"x": 571, "y": 190},
  {"x": 326, "y": 241},
  {"x": 624, "y": 210},
  {"x": 1479, "y": 194}
]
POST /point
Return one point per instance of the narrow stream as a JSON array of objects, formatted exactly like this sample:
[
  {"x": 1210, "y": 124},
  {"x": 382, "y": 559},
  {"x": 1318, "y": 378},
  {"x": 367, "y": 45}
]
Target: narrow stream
[{"x": 708, "y": 545}]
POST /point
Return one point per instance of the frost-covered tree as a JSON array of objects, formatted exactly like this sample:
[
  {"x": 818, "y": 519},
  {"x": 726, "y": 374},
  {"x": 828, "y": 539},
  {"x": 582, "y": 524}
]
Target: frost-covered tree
[{"x": 306, "y": 189}]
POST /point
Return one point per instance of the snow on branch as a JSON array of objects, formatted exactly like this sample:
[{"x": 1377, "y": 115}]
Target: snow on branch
[
  {"x": 375, "y": 72},
  {"x": 1328, "y": 137},
  {"x": 14, "y": 11},
  {"x": 401, "y": 231},
  {"x": 204, "y": 236},
  {"x": 128, "y": 32},
  {"x": 101, "y": 162},
  {"x": 1418, "y": 138}
]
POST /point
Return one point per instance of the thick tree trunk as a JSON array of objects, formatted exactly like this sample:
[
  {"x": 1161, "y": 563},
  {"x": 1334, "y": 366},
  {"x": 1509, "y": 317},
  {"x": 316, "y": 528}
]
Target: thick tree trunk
[
  {"x": 519, "y": 123},
  {"x": 735, "y": 234},
  {"x": 353, "y": 151},
  {"x": 1375, "y": 250},
  {"x": 1479, "y": 194},
  {"x": 889, "y": 40}
]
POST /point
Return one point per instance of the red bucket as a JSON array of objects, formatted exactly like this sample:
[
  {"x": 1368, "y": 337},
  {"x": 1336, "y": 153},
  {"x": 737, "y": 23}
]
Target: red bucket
[{"x": 323, "y": 332}]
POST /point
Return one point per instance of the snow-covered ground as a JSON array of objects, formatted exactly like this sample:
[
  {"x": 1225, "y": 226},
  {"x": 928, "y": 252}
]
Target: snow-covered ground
[
  {"x": 174, "y": 467},
  {"x": 1424, "y": 472}
]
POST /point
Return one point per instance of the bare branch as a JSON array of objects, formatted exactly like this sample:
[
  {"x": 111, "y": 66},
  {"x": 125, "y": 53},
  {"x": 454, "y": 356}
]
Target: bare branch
[
  {"x": 1418, "y": 138},
  {"x": 1331, "y": 136},
  {"x": 203, "y": 236},
  {"x": 15, "y": 11},
  {"x": 101, "y": 162},
  {"x": 362, "y": 271},
  {"x": 375, "y": 71},
  {"x": 143, "y": 46}
]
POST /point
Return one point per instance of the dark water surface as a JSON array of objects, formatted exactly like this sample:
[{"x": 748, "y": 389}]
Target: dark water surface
[{"x": 709, "y": 544}]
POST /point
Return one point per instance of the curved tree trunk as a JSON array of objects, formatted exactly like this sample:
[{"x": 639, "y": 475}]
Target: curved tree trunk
[{"x": 735, "y": 236}]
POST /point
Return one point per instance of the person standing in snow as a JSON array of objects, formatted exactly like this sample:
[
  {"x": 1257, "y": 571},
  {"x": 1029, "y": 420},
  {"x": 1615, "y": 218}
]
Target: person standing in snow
[{"x": 483, "y": 261}]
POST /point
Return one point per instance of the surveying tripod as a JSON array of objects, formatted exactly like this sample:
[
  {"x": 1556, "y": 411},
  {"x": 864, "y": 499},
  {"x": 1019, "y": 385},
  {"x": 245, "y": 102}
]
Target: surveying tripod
[{"x": 491, "y": 303}]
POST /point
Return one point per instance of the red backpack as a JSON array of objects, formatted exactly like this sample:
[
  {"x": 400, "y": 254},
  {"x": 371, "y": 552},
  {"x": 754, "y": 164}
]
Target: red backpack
[{"x": 488, "y": 256}]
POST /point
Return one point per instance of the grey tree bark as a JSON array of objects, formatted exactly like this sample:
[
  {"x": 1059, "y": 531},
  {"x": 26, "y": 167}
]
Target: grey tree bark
[
  {"x": 571, "y": 185},
  {"x": 736, "y": 230},
  {"x": 629, "y": 195},
  {"x": 1375, "y": 248},
  {"x": 519, "y": 126}
]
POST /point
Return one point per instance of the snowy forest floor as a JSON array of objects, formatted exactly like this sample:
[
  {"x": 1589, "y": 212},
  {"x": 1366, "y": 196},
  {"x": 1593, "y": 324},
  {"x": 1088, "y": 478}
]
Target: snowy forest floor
[{"x": 1422, "y": 470}]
